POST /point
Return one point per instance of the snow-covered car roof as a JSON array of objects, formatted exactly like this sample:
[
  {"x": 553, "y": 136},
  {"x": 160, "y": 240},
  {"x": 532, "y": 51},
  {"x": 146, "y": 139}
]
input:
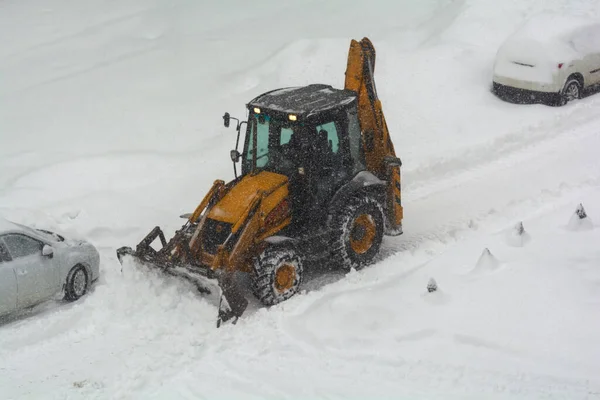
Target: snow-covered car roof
[
  {"x": 7, "y": 226},
  {"x": 544, "y": 38}
]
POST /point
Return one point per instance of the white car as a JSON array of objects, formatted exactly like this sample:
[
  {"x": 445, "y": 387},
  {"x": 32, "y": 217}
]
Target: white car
[
  {"x": 551, "y": 58},
  {"x": 35, "y": 265}
]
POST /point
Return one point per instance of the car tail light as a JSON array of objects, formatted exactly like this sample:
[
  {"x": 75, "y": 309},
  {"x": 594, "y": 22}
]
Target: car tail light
[{"x": 560, "y": 65}]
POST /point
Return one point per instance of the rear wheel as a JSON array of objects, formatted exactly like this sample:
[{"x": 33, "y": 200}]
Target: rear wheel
[
  {"x": 77, "y": 283},
  {"x": 571, "y": 91},
  {"x": 359, "y": 227},
  {"x": 277, "y": 274}
]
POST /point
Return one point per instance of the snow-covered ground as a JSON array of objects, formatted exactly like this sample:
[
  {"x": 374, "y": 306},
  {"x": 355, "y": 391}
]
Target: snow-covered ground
[{"x": 110, "y": 123}]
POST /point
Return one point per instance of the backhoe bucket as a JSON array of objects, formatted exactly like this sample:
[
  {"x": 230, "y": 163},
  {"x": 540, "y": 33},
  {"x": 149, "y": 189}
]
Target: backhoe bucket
[{"x": 232, "y": 302}]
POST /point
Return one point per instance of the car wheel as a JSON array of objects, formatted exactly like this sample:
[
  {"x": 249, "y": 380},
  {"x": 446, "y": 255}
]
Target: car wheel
[
  {"x": 77, "y": 283},
  {"x": 571, "y": 91}
]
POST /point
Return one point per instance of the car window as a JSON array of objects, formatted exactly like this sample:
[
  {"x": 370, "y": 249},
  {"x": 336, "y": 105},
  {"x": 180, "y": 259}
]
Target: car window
[
  {"x": 22, "y": 246},
  {"x": 4, "y": 256}
]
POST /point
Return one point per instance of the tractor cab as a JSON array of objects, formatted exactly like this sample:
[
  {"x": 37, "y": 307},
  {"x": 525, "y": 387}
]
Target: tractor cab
[{"x": 309, "y": 134}]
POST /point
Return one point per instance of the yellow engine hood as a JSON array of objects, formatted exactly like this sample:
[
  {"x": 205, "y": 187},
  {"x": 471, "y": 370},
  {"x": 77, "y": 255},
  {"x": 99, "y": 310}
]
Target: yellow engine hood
[{"x": 231, "y": 207}]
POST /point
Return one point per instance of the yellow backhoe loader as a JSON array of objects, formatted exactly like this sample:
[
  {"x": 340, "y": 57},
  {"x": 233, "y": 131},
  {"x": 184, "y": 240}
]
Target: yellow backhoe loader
[{"x": 319, "y": 182}]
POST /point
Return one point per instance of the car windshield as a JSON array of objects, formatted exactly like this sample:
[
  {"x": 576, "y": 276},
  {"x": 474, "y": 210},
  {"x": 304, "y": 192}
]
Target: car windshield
[{"x": 281, "y": 146}]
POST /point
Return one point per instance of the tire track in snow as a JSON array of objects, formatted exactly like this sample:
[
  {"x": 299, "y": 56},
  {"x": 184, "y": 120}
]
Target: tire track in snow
[{"x": 425, "y": 177}]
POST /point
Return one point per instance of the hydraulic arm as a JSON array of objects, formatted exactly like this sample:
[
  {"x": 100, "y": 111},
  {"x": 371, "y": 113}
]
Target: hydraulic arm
[{"x": 379, "y": 151}]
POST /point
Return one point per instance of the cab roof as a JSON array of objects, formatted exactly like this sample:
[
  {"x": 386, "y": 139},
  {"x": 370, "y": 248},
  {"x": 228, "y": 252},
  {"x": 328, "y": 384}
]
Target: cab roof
[{"x": 304, "y": 101}]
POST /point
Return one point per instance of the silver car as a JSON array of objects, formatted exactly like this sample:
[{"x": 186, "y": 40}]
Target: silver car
[{"x": 35, "y": 265}]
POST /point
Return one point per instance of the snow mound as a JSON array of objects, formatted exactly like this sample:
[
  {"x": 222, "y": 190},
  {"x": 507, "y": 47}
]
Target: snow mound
[
  {"x": 432, "y": 285},
  {"x": 580, "y": 221},
  {"x": 486, "y": 262},
  {"x": 517, "y": 236}
]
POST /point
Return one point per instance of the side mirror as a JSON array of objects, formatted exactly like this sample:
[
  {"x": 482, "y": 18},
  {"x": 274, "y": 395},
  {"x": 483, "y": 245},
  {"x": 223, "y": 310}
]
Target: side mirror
[
  {"x": 235, "y": 155},
  {"x": 226, "y": 119},
  {"x": 47, "y": 251}
]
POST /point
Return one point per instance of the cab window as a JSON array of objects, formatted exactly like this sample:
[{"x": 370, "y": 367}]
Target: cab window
[
  {"x": 330, "y": 131},
  {"x": 286, "y": 135},
  {"x": 261, "y": 127},
  {"x": 354, "y": 136},
  {"x": 276, "y": 140}
]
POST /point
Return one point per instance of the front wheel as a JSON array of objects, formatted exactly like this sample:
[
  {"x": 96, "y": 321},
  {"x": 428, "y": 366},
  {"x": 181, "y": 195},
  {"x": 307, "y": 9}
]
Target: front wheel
[
  {"x": 277, "y": 274},
  {"x": 77, "y": 283}
]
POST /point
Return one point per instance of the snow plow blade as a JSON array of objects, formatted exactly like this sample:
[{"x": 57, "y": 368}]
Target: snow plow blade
[{"x": 232, "y": 303}]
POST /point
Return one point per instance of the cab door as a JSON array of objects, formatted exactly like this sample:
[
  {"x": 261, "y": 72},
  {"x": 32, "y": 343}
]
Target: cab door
[
  {"x": 37, "y": 275},
  {"x": 330, "y": 168},
  {"x": 8, "y": 282}
]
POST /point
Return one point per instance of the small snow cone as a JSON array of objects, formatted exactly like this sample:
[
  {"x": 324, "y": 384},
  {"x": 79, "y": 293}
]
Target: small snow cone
[
  {"x": 487, "y": 261},
  {"x": 517, "y": 236},
  {"x": 432, "y": 285},
  {"x": 580, "y": 221}
]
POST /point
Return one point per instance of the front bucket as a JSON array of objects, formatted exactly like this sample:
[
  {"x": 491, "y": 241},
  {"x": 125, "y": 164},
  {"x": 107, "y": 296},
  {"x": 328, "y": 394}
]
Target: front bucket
[{"x": 232, "y": 302}]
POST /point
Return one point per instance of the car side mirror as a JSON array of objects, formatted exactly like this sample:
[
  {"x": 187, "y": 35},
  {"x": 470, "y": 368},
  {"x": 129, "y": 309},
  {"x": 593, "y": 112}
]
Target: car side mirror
[
  {"x": 47, "y": 251},
  {"x": 235, "y": 155},
  {"x": 226, "y": 119}
]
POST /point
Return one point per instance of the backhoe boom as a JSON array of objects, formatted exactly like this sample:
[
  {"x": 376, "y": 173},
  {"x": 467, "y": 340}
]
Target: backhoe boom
[{"x": 380, "y": 156}]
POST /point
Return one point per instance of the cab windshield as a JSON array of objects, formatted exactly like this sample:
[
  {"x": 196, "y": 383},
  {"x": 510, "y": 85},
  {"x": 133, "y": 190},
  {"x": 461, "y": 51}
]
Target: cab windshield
[{"x": 281, "y": 146}]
